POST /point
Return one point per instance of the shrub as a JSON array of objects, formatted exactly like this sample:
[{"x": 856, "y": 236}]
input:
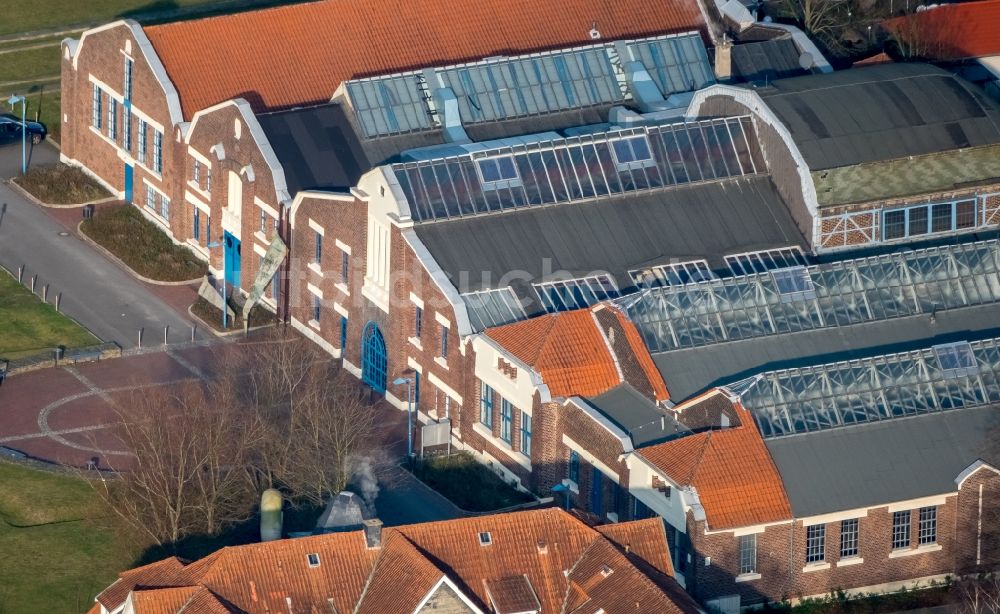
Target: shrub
[
  {"x": 467, "y": 483},
  {"x": 61, "y": 184}
]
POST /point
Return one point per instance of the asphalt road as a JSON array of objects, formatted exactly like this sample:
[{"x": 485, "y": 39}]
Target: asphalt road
[{"x": 95, "y": 291}]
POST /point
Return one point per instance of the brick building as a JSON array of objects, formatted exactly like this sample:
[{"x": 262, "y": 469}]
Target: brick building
[{"x": 521, "y": 563}]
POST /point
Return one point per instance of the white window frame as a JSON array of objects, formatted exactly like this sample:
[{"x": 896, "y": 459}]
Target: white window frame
[
  {"x": 504, "y": 182},
  {"x": 97, "y": 109},
  {"x": 636, "y": 162},
  {"x": 663, "y": 275},
  {"x": 901, "y": 537},
  {"x": 790, "y": 255},
  {"x": 815, "y": 544},
  {"x": 850, "y": 540},
  {"x": 141, "y": 142},
  {"x": 597, "y": 285},
  {"x": 748, "y": 553},
  {"x": 157, "y": 151},
  {"x": 927, "y": 526},
  {"x": 929, "y": 209},
  {"x": 112, "y": 119}
]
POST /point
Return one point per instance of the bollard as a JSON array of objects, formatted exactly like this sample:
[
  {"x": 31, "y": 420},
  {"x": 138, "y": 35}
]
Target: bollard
[
  {"x": 58, "y": 300},
  {"x": 45, "y": 293},
  {"x": 34, "y": 278},
  {"x": 140, "y": 338},
  {"x": 192, "y": 334},
  {"x": 165, "y": 328},
  {"x": 20, "y": 274}
]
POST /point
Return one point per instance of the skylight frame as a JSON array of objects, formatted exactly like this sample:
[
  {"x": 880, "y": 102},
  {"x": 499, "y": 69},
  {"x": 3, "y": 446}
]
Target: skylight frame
[
  {"x": 636, "y": 160},
  {"x": 793, "y": 283},
  {"x": 577, "y": 293},
  {"x": 495, "y": 307},
  {"x": 956, "y": 359},
  {"x": 761, "y": 261},
  {"x": 672, "y": 274}
]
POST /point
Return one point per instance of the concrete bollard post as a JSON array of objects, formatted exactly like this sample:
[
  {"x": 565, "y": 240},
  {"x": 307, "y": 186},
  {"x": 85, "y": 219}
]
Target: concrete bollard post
[
  {"x": 165, "y": 328},
  {"x": 140, "y": 338},
  {"x": 45, "y": 293},
  {"x": 58, "y": 300},
  {"x": 192, "y": 334},
  {"x": 20, "y": 274},
  {"x": 34, "y": 278}
]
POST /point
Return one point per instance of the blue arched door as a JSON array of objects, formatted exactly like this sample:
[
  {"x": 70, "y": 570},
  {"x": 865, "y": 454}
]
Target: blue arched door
[{"x": 374, "y": 357}]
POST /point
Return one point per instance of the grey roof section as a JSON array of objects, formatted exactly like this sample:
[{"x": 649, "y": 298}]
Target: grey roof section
[
  {"x": 882, "y": 462},
  {"x": 764, "y": 61},
  {"x": 641, "y": 418},
  {"x": 882, "y": 112},
  {"x": 693, "y": 370},
  {"x": 321, "y": 148},
  {"x": 615, "y": 234}
]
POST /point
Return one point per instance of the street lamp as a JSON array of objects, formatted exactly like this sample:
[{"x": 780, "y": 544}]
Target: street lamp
[
  {"x": 225, "y": 305},
  {"x": 13, "y": 100},
  {"x": 408, "y": 380}
]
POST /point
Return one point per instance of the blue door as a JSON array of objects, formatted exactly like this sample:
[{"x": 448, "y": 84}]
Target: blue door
[
  {"x": 597, "y": 491},
  {"x": 128, "y": 184},
  {"x": 232, "y": 256},
  {"x": 374, "y": 357}
]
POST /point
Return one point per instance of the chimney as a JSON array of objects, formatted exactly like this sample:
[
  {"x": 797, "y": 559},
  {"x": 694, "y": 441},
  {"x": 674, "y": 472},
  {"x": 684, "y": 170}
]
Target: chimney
[
  {"x": 724, "y": 59},
  {"x": 373, "y": 533}
]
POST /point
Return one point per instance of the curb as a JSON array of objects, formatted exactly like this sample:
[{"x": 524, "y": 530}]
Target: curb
[
  {"x": 231, "y": 333},
  {"x": 31, "y": 197},
  {"x": 131, "y": 271}
]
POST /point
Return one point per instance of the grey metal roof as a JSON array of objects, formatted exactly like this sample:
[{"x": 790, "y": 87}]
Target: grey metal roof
[
  {"x": 876, "y": 463},
  {"x": 692, "y": 370},
  {"x": 765, "y": 61},
  {"x": 613, "y": 234},
  {"x": 641, "y": 418},
  {"x": 881, "y": 112}
]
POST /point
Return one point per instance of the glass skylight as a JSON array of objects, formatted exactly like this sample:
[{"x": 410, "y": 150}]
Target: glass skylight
[
  {"x": 765, "y": 260},
  {"x": 490, "y": 308},
  {"x": 846, "y": 292},
  {"x": 871, "y": 389},
  {"x": 673, "y": 274},
  {"x": 575, "y": 293}
]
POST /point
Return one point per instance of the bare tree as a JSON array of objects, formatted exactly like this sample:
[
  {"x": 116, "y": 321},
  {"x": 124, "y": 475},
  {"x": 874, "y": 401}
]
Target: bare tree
[
  {"x": 821, "y": 18},
  {"x": 979, "y": 595}
]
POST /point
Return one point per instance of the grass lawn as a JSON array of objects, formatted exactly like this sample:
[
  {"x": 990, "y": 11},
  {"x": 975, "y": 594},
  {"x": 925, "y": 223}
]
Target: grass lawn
[
  {"x": 57, "y": 546},
  {"x": 141, "y": 245},
  {"x": 467, "y": 483},
  {"x": 27, "y": 324},
  {"x": 29, "y": 64},
  {"x": 61, "y": 184}
]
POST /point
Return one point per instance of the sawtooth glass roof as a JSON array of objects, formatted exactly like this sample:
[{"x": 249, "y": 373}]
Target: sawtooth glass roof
[
  {"x": 827, "y": 396},
  {"x": 502, "y": 88},
  {"x": 577, "y": 168},
  {"x": 820, "y": 296},
  {"x": 489, "y": 308}
]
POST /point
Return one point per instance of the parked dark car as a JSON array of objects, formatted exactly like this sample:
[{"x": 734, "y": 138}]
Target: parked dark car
[{"x": 10, "y": 129}]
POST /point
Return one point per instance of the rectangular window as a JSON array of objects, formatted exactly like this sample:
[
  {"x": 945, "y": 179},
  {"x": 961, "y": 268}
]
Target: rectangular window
[
  {"x": 894, "y": 225},
  {"x": 965, "y": 214},
  {"x": 916, "y": 221},
  {"x": 941, "y": 218},
  {"x": 793, "y": 284},
  {"x": 444, "y": 342},
  {"x": 815, "y": 543},
  {"x": 345, "y": 267},
  {"x": 157, "y": 151},
  {"x": 196, "y": 173},
  {"x": 900, "y": 530},
  {"x": 927, "y": 527},
  {"x": 127, "y": 129},
  {"x": 956, "y": 359},
  {"x": 151, "y": 197},
  {"x": 416, "y": 394},
  {"x": 263, "y": 222},
  {"x": 196, "y": 224},
  {"x": 486, "y": 406},
  {"x": 848, "y": 538},
  {"x": 208, "y": 229},
  {"x": 343, "y": 332},
  {"x": 164, "y": 207},
  {"x": 506, "y": 419},
  {"x": 140, "y": 153},
  {"x": 748, "y": 553},
  {"x": 525, "y": 434},
  {"x": 574, "y": 466},
  {"x": 208, "y": 183},
  {"x": 924, "y": 219},
  {"x": 112, "y": 118},
  {"x": 673, "y": 274},
  {"x": 97, "y": 115},
  {"x": 496, "y": 173},
  {"x": 316, "y": 308},
  {"x": 749, "y": 263},
  {"x": 632, "y": 153},
  {"x": 418, "y": 322},
  {"x": 127, "y": 82},
  {"x": 318, "y": 252}
]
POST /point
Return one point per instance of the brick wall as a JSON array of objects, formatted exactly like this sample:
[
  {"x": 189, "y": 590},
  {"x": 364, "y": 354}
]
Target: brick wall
[
  {"x": 978, "y": 523},
  {"x": 781, "y": 558}
]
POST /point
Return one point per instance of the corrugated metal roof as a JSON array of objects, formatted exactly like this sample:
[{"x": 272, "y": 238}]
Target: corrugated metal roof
[
  {"x": 765, "y": 61},
  {"x": 881, "y": 112}
]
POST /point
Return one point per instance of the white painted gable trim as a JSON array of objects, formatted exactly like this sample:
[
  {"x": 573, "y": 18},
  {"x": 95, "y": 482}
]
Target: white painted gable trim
[
  {"x": 972, "y": 469},
  {"x": 444, "y": 580}
]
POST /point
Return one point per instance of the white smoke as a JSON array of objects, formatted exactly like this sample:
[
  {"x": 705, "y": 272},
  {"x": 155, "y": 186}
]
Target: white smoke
[{"x": 365, "y": 483}]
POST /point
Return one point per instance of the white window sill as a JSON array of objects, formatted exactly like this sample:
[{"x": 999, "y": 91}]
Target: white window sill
[
  {"x": 895, "y": 554},
  {"x": 851, "y": 560},
  {"x": 415, "y": 342},
  {"x": 572, "y": 486},
  {"x": 314, "y": 267},
  {"x": 197, "y": 190},
  {"x": 747, "y": 577},
  {"x": 343, "y": 288},
  {"x": 260, "y": 236},
  {"x": 441, "y": 362},
  {"x": 313, "y": 324},
  {"x": 483, "y": 430},
  {"x": 197, "y": 247},
  {"x": 818, "y": 566}
]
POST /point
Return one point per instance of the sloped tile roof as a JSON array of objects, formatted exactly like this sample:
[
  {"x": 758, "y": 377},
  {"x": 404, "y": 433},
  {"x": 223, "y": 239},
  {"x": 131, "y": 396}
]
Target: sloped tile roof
[
  {"x": 538, "y": 546},
  {"x": 951, "y": 31},
  {"x": 731, "y": 470},
  {"x": 571, "y": 353},
  {"x": 162, "y": 600},
  {"x": 299, "y": 54},
  {"x": 646, "y": 539},
  {"x": 166, "y": 573}
]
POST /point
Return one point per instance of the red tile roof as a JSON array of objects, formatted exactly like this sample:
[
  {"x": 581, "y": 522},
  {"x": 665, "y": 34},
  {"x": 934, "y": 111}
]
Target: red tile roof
[
  {"x": 951, "y": 31},
  {"x": 730, "y": 469},
  {"x": 162, "y": 600},
  {"x": 299, "y": 54},
  {"x": 538, "y": 546},
  {"x": 571, "y": 353}
]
